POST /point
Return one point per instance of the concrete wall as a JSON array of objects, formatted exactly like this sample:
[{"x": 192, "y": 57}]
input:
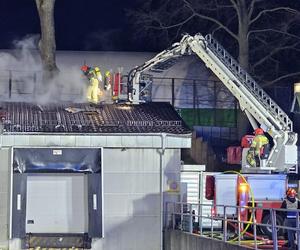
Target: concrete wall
[
  {"x": 131, "y": 197},
  {"x": 178, "y": 240}
]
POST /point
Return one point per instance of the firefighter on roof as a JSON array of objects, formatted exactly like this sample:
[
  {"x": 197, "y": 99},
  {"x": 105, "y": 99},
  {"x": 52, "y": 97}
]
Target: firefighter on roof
[
  {"x": 107, "y": 80},
  {"x": 95, "y": 77},
  {"x": 258, "y": 148}
]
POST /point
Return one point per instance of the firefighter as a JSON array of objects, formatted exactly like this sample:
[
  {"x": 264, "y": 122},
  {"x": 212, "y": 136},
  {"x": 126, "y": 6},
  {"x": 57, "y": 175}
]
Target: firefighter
[
  {"x": 258, "y": 149},
  {"x": 95, "y": 77},
  {"x": 107, "y": 80},
  {"x": 291, "y": 202}
]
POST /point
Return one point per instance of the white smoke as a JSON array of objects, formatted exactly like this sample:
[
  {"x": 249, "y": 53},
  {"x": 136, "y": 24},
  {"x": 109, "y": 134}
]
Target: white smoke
[{"x": 22, "y": 67}]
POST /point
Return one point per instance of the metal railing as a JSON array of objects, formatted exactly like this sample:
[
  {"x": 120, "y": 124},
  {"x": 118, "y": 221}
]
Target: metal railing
[{"x": 238, "y": 224}]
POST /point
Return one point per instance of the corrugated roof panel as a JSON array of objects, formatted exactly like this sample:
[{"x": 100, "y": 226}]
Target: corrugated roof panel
[{"x": 87, "y": 118}]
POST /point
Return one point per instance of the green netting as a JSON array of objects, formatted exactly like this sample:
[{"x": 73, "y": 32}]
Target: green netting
[{"x": 209, "y": 117}]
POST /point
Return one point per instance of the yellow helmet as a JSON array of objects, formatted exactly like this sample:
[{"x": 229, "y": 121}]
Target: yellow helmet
[
  {"x": 107, "y": 73},
  {"x": 97, "y": 69}
]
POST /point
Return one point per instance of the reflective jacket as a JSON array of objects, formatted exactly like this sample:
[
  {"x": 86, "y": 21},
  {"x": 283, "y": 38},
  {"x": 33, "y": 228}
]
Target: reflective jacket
[
  {"x": 258, "y": 142},
  {"x": 291, "y": 204}
]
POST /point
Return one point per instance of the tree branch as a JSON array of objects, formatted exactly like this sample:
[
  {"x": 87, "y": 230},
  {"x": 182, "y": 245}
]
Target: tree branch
[
  {"x": 210, "y": 19},
  {"x": 281, "y": 78},
  {"x": 272, "y": 30},
  {"x": 259, "y": 15},
  {"x": 276, "y": 50}
]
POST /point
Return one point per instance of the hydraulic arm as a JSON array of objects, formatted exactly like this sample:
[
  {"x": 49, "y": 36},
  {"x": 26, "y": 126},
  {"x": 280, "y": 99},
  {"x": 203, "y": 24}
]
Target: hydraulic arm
[{"x": 253, "y": 100}]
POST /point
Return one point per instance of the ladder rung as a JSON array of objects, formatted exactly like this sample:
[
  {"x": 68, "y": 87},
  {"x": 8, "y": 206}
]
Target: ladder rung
[{"x": 249, "y": 82}]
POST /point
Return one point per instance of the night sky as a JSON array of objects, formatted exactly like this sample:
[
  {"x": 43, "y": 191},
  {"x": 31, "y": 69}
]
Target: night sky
[{"x": 80, "y": 25}]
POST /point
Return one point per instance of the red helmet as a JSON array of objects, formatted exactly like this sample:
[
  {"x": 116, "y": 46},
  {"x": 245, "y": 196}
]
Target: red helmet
[
  {"x": 259, "y": 131},
  {"x": 85, "y": 68},
  {"x": 291, "y": 193}
]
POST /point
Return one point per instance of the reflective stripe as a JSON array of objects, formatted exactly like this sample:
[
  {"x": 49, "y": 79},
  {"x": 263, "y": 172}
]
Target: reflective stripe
[
  {"x": 291, "y": 214},
  {"x": 293, "y": 206}
]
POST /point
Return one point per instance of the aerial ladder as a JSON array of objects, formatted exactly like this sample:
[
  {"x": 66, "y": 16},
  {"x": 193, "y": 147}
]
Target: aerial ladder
[{"x": 253, "y": 100}]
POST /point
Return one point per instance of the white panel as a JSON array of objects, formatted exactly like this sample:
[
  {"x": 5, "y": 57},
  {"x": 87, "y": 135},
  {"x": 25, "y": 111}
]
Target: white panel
[
  {"x": 198, "y": 168},
  {"x": 56, "y": 204},
  {"x": 83, "y": 141},
  {"x": 116, "y": 205},
  {"x": 144, "y": 141},
  {"x": 157, "y": 141},
  {"x": 267, "y": 187},
  {"x": 226, "y": 186},
  {"x": 192, "y": 181},
  {"x": 7, "y": 140},
  {"x": 130, "y": 160},
  {"x": 99, "y": 141},
  {"x": 19, "y": 202},
  {"x": 123, "y": 183},
  {"x": 112, "y": 141},
  {"x": 173, "y": 142},
  {"x": 53, "y": 140},
  {"x": 290, "y": 154},
  {"x": 67, "y": 140},
  {"x": 128, "y": 141},
  {"x": 37, "y": 140},
  {"x": 21, "y": 140}
]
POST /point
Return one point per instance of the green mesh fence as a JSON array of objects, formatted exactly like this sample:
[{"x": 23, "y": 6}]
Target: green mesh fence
[{"x": 209, "y": 117}]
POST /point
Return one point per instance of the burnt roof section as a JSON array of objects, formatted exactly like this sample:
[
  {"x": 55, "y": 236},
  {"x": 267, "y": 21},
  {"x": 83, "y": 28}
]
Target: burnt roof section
[{"x": 87, "y": 118}]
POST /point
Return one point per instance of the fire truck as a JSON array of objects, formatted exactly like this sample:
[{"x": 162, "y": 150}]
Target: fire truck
[{"x": 268, "y": 181}]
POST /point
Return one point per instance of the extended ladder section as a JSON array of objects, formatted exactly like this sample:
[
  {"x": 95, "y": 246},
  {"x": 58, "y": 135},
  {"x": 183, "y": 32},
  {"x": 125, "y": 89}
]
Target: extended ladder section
[
  {"x": 280, "y": 118},
  {"x": 257, "y": 104}
]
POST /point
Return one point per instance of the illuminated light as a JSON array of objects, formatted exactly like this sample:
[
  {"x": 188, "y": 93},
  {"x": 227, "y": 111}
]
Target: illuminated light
[
  {"x": 297, "y": 87},
  {"x": 296, "y": 101},
  {"x": 124, "y": 107},
  {"x": 213, "y": 212},
  {"x": 243, "y": 188}
]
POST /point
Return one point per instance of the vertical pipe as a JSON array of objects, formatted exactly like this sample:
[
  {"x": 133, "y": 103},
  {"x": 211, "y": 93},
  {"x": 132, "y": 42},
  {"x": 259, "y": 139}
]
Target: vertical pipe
[
  {"x": 173, "y": 92},
  {"x": 211, "y": 226},
  {"x": 254, "y": 228},
  {"x": 235, "y": 113},
  {"x": 298, "y": 228},
  {"x": 215, "y": 104},
  {"x": 181, "y": 216},
  {"x": 225, "y": 225},
  {"x": 163, "y": 147},
  {"x": 200, "y": 219},
  {"x": 191, "y": 219},
  {"x": 239, "y": 225},
  {"x": 9, "y": 84},
  {"x": 34, "y": 83},
  {"x": 194, "y": 94},
  {"x": 173, "y": 216},
  {"x": 274, "y": 231}
]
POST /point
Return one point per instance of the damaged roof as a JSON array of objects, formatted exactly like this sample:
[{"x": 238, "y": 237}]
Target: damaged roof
[{"x": 155, "y": 117}]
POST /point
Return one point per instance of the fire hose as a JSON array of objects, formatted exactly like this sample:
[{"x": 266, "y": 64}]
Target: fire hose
[
  {"x": 261, "y": 239},
  {"x": 252, "y": 203}
]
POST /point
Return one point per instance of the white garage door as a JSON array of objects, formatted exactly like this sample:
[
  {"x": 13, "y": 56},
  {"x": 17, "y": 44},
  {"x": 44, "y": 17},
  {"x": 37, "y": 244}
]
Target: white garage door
[{"x": 56, "y": 203}]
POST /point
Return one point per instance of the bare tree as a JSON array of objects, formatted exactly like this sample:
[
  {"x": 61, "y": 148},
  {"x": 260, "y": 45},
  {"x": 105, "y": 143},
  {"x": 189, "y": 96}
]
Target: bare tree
[
  {"x": 47, "y": 44},
  {"x": 265, "y": 27},
  {"x": 260, "y": 33}
]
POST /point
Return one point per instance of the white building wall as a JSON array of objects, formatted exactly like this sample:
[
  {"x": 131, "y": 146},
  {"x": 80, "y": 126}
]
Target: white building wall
[
  {"x": 131, "y": 197},
  {"x": 4, "y": 196}
]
